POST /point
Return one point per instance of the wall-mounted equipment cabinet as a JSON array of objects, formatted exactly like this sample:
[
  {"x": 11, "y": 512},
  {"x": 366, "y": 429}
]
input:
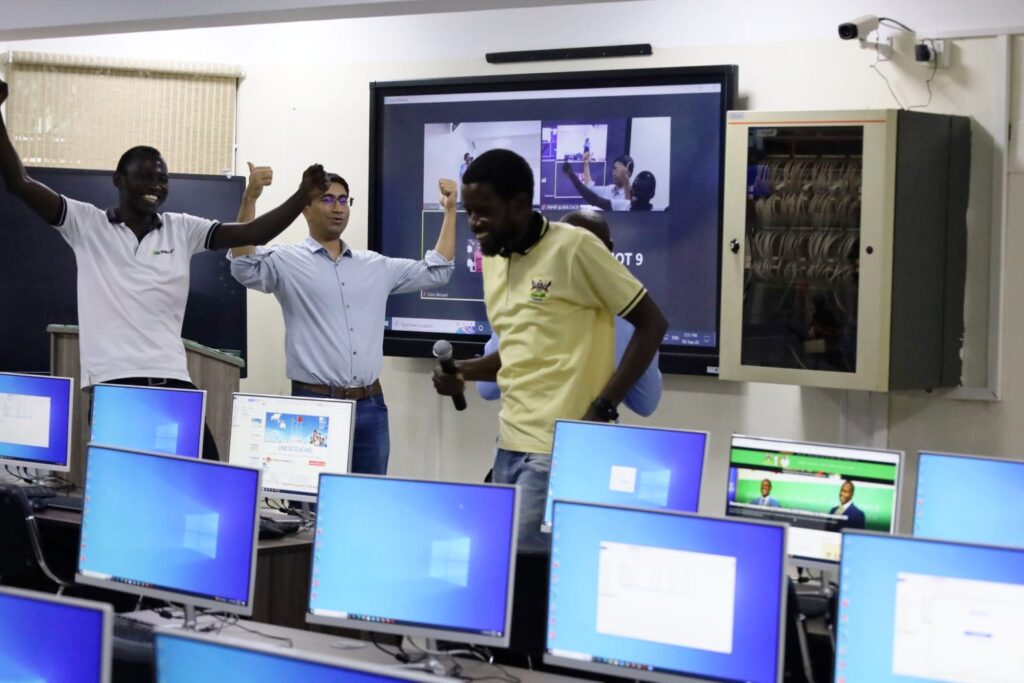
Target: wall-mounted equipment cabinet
[{"x": 845, "y": 245}]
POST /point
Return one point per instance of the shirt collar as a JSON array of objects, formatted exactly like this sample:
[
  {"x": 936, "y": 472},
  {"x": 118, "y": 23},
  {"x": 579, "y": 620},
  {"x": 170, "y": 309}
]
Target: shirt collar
[
  {"x": 114, "y": 216},
  {"x": 542, "y": 230},
  {"x": 315, "y": 246}
]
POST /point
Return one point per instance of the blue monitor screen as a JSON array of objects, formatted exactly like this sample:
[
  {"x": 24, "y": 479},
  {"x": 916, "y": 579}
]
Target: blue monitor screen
[
  {"x": 630, "y": 466},
  {"x": 969, "y": 499},
  {"x": 665, "y": 593},
  {"x": 431, "y": 555},
  {"x": 159, "y": 523},
  {"x": 191, "y": 660},
  {"x": 148, "y": 419},
  {"x": 35, "y": 419},
  {"x": 912, "y": 609},
  {"x": 46, "y": 640}
]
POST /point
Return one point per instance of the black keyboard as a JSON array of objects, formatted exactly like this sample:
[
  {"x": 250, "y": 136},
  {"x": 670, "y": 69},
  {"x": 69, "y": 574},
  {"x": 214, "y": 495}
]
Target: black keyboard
[
  {"x": 39, "y": 491},
  {"x": 73, "y": 503},
  {"x": 136, "y": 631}
]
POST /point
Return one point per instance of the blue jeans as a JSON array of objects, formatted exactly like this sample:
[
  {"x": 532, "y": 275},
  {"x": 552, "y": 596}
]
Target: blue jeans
[
  {"x": 371, "y": 442},
  {"x": 530, "y": 473}
]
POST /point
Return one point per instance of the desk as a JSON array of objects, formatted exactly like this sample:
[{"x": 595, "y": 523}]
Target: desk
[{"x": 282, "y": 566}]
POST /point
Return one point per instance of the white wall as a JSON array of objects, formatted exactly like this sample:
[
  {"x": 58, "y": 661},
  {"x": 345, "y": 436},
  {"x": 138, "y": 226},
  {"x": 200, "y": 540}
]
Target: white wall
[{"x": 305, "y": 99}]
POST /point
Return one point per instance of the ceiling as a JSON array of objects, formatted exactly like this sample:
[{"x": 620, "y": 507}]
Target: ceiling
[{"x": 23, "y": 19}]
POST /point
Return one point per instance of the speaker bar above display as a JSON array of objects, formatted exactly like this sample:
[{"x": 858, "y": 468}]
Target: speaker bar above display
[{"x": 635, "y": 50}]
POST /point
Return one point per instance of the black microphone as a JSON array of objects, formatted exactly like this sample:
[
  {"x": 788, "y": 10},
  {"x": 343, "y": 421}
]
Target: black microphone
[{"x": 443, "y": 353}]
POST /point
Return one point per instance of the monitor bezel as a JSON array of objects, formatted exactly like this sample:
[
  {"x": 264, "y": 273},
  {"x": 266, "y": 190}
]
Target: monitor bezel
[
  {"x": 912, "y": 539},
  {"x": 43, "y": 464},
  {"x": 163, "y": 593},
  {"x": 106, "y": 628},
  {"x": 812, "y": 562},
  {"x": 433, "y": 631},
  {"x": 661, "y": 676},
  {"x": 677, "y": 359},
  {"x": 549, "y": 498},
  {"x": 965, "y": 456},
  {"x": 301, "y": 655},
  {"x": 202, "y": 415},
  {"x": 298, "y": 496}
]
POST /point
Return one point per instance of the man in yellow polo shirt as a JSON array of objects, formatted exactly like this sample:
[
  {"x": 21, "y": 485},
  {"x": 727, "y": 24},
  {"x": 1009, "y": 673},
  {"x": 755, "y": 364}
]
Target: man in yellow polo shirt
[{"x": 552, "y": 292}]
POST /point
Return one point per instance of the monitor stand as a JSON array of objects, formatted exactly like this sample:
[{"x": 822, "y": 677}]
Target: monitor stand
[{"x": 436, "y": 662}]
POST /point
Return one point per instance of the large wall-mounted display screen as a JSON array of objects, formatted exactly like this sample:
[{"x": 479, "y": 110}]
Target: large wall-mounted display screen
[{"x": 644, "y": 146}]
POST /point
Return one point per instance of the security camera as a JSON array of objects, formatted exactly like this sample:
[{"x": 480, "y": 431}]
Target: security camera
[{"x": 858, "y": 28}]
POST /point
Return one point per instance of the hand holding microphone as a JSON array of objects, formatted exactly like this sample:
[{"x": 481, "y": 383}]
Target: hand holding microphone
[{"x": 447, "y": 380}]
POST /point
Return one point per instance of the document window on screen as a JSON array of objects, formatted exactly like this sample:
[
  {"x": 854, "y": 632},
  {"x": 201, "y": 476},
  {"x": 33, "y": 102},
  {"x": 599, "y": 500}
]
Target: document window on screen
[
  {"x": 25, "y": 420},
  {"x": 653, "y": 594},
  {"x": 953, "y": 629}
]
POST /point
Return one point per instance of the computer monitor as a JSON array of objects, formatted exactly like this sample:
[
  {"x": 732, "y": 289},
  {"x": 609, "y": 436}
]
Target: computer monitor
[
  {"x": 969, "y": 498},
  {"x": 293, "y": 440},
  {"x": 182, "y": 657},
  {"x": 913, "y": 609},
  {"x": 665, "y": 596},
  {"x": 417, "y": 558},
  {"x": 35, "y": 421},
  {"x": 818, "y": 489},
  {"x": 644, "y": 467},
  {"x": 152, "y": 419},
  {"x": 54, "y": 639},
  {"x": 171, "y": 528}
]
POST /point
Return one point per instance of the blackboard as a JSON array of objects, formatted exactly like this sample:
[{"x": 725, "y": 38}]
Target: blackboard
[{"x": 38, "y": 271}]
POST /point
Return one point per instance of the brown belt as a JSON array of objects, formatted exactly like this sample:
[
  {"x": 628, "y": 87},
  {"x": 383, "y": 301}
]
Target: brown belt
[{"x": 348, "y": 393}]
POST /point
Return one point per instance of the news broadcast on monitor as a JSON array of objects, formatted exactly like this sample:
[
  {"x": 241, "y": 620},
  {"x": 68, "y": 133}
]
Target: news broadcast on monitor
[
  {"x": 171, "y": 528},
  {"x": 818, "y": 489},
  {"x": 414, "y": 557},
  {"x": 153, "y": 419},
  {"x": 625, "y": 465},
  {"x": 54, "y": 639},
  {"x": 292, "y": 440},
  {"x": 644, "y": 146},
  {"x": 35, "y": 421},
  {"x": 913, "y": 609},
  {"x": 665, "y": 596},
  {"x": 969, "y": 498}
]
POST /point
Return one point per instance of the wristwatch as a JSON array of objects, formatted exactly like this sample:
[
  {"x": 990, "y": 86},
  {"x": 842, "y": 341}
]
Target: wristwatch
[{"x": 605, "y": 409}]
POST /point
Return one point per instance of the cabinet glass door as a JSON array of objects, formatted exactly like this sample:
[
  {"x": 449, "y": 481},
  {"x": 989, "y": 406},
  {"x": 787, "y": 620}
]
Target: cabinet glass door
[{"x": 802, "y": 261}]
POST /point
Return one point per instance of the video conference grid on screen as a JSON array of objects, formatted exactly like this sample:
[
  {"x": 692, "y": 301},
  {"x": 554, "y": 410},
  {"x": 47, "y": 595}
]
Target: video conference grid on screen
[
  {"x": 35, "y": 421},
  {"x": 672, "y": 133},
  {"x": 915, "y": 609},
  {"x": 54, "y": 639},
  {"x": 197, "y": 547},
  {"x": 656, "y": 595},
  {"x": 292, "y": 440},
  {"x": 627, "y": 466},
  {"x": 819, "y": 489},
  {"x": 968, "y": 498},
  {"x": 152, "y": 419},
  {"x": 414, "y": 557}
]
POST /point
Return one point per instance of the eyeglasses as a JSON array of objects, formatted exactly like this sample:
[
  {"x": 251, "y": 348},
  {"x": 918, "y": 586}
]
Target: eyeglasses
[{"x": 330, "y": 199}]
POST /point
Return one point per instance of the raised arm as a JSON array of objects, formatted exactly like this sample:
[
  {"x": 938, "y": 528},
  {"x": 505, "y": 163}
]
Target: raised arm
[
  {"x": 41, "y": 199},
  {"x": 271, "y": 224},
  {"x": 588, "y": 195},
  {"x": 587, "y": 179},
  {"x": 649, "y": 329},
  {"x": 259, "y": 177},
  {"x": 446, "y": 240}
]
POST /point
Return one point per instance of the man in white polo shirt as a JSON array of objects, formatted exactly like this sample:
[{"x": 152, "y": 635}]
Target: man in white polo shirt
[{"x": 133, "y": 263}]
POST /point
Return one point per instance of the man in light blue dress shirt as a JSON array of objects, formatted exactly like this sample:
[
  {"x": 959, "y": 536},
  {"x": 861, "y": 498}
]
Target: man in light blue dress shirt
[
  {"x": 644, "y": 396},
  {"x": 333, "y": 300}
]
